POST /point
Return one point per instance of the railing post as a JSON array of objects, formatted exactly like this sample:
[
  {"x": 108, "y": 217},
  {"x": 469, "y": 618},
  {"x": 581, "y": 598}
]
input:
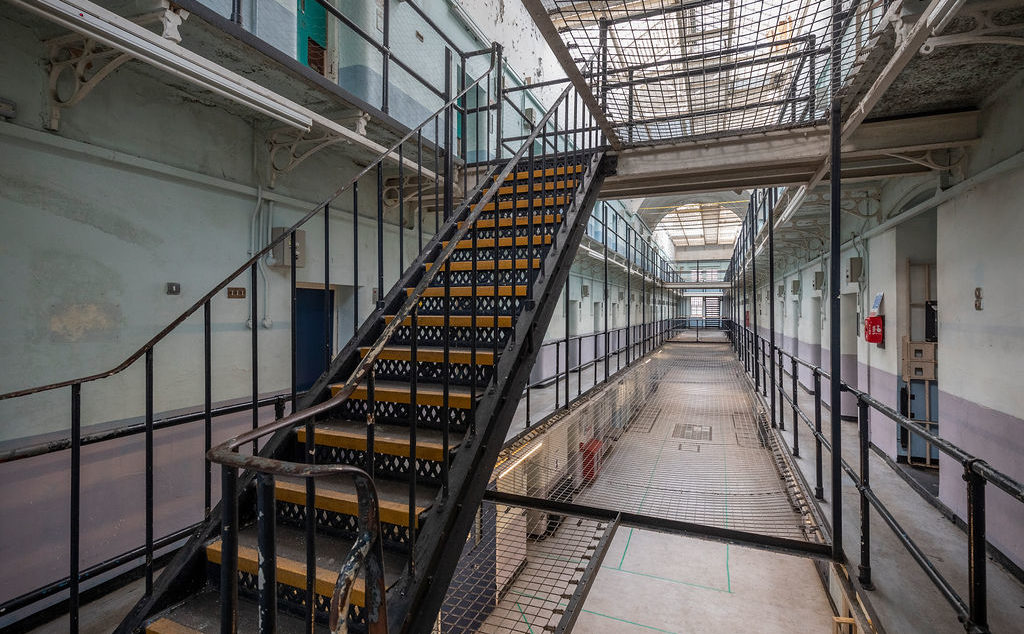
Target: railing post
[
  {"x": 567, "y": 340},
  {"x": 782, "y": 392},
  {"x": 207, "y": 407},
  {"x": 977, "y": 581},
  {"x": 414, "y": 370},
  {"x": 558, "y": 369},
  {"x": 796, "y": 427},
  {"x": 371, "y": 420},
  {"x": 355, "y": 249},
  {"x": 835, "y": 242},
  {"x": 266, "y": 580},
  {"x": 75, "y": 511},
  {"x": 819, "y": 491},
  {"x": 229, "y": 551},
  {"x": 864, "y": 569},
  {"x": 149, "y": 471},
  {"x": 294, "y": 303},
  {"x": 527, "y": 405},
  {"x": 254, "y": 352}
]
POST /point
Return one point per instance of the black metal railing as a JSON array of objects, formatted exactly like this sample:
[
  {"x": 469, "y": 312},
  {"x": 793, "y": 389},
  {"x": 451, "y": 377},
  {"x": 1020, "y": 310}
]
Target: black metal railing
[
  {"x": 408, "y": 153},
  {"x": 612, "y": 358},
  {"x": 406, "y": 301},
  {"x": 977, "y": 473}
]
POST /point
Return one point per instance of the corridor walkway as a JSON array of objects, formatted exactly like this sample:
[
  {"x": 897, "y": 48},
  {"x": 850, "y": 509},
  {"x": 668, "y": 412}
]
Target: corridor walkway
[
  {"x": 904, "y": 598},
  {"x": 695, "y": 452}
]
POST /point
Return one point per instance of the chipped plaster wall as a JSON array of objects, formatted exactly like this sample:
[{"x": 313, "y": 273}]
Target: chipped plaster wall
[
  {"x": 508, "y": 23},
  {"x": 144, "y": 184}
]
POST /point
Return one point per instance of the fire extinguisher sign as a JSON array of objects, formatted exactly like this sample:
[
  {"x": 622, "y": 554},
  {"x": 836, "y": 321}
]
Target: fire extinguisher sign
[{"x": 874, "y": 324}]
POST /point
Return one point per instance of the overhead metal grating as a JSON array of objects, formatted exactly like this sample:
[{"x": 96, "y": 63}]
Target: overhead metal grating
[{"x": 664, "y": 70}]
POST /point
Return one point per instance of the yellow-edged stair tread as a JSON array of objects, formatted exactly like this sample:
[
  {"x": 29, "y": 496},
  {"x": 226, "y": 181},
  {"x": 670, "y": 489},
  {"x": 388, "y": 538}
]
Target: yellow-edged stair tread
[
  {"x": 486, "y": 265},
  {"x": 522, "y": 188},
  {"x": 482, "y": 290},
  {"x": 544, "y": 173},
  {"x": 346, "y": 502},
  {"x": 484, "y": 243},
  {"x": 426, "y": 394},
  {"x": 289, "y": 572},
  {"x": 521, "y": 221},
  {"x": 392, "y": 440},
  {"x": 434, "y": 354},
  {"x": 524, "y": 203},
  {"x": 167, "y": 626}
]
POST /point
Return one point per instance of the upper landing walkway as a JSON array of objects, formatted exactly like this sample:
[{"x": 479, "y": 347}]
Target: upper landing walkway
[
  {"x": 874, "y": 150},
  {"x": 714, "y": 96}
]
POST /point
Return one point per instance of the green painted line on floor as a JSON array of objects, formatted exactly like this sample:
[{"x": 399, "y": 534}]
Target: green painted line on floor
[
  {"x": 728, "y": 576},
  {"x": 647, "y": 489},
  {"x": 725, "y": 482},
  {"x": 682, "y": 583},
  {"x": 529, "y": 627},
  {"x": 615, "y": 618},
  {"x": 625, "y": 549}
]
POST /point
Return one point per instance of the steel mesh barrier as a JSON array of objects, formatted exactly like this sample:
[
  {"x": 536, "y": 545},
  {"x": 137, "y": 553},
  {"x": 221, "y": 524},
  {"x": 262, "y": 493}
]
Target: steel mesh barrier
[
  {"x": 672, "y": 70},
  {"x": 677, "y": 438},
  {"x": 525, "y": 565}
]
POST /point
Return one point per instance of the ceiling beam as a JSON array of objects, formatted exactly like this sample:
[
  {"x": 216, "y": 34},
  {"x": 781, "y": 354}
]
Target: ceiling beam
[{"x": 785, "y": 157}]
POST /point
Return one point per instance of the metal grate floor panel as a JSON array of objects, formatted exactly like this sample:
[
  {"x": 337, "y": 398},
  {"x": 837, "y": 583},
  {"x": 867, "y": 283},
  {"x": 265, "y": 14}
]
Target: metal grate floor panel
[
  {"x": 703, "y": 460},
  {"x": 536, "y": 561}
]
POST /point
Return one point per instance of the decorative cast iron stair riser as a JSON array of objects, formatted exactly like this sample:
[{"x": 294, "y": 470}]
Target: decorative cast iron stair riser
[{"x": 475, "y": 395}]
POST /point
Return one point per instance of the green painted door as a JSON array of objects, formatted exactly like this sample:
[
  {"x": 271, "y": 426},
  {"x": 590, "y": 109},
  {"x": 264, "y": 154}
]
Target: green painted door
[{"x": 312, "y": 34}]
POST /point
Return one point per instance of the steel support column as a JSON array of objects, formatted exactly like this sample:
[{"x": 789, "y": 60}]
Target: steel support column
[
  {"x": 835, "y": 236},
  {"x": 771, "y": 314}
]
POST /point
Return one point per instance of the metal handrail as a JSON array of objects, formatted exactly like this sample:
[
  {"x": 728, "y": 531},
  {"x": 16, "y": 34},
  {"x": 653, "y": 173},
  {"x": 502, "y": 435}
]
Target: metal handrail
[
  {"x": 977, "y": 473},
  {"x": 223, "y": 453},
  {"x": 228, "y": 456},
  {"x": 259, "y": 254},
  {"x": 978, "y": 465}
]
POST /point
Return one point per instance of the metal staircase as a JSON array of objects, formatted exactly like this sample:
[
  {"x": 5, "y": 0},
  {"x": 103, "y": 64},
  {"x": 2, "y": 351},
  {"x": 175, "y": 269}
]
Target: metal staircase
[{"x": 356, "y": 508}]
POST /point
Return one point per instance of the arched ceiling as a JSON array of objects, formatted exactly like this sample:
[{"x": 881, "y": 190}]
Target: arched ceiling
[{"x": 697, "y": 220}]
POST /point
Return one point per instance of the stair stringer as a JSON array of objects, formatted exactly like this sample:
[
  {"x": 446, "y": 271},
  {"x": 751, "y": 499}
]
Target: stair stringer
[
  {"x": 186, "y": 573},
  {"x": 414, "y": 603}
]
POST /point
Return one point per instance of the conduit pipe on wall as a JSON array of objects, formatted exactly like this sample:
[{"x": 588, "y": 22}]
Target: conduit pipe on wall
[
  {"x": 259, "y": 232},
  {"x": 1007, "y": 165}
]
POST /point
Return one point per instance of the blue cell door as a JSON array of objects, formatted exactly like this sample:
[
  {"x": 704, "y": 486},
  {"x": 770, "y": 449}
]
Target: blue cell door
[{"x": 310, "y": 324}]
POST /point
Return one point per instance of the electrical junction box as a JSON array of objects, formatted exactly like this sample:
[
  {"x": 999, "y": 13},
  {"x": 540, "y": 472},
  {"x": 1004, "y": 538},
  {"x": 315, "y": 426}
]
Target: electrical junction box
[
  {"x": 782, "y": 290},
  {"x": 854, "y": 269},
  {"x": 794, "y": 287},
  {"x": 585, "y": 290},
  {"x": 281, "y": 254},
  {"x": 819, "y": 280}
]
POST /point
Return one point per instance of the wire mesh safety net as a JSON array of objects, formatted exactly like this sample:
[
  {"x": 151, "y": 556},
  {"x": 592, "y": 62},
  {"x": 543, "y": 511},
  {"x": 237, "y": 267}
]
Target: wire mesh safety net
[
  {"x": 519, "y": 571},
  {"x": 677, "y": 436},
  {"x": 681, "y": 69}
]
